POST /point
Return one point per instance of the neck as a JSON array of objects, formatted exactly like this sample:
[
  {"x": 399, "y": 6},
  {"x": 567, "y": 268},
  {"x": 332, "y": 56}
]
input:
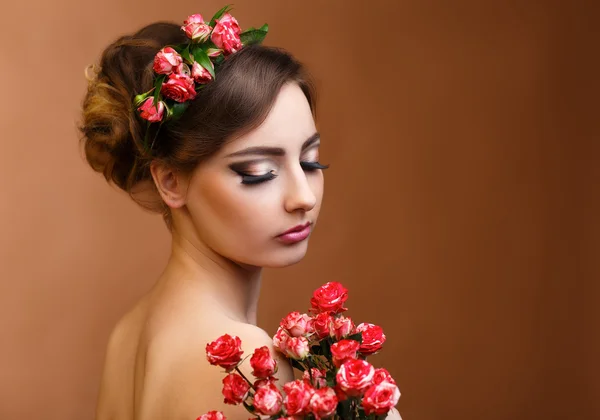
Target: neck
[{"x": 233, "y": 288}]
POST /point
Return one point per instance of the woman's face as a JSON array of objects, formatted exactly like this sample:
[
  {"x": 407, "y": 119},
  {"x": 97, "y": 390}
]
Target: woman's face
[{"x": 260, "y": 186}]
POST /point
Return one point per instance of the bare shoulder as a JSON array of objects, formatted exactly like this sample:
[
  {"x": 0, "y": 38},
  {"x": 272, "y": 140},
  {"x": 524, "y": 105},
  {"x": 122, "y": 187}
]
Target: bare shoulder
[
  {"x": 115, "y": 395},
  {"x": 181, "y": 384}
]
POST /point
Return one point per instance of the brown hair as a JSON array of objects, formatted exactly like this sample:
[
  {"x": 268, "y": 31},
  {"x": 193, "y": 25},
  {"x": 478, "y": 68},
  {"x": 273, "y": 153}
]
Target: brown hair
[{"x": 238, "y": 100}]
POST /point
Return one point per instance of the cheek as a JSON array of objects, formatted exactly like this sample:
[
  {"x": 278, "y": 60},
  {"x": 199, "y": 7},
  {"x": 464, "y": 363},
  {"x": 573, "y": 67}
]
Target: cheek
[{"x": 239, "y": 209}]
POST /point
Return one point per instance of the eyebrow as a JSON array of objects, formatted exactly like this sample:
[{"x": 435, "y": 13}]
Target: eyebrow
[{"x": 274, "y": 151}]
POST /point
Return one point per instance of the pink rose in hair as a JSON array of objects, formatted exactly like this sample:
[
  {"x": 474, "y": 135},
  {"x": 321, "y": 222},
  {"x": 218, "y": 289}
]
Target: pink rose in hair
[
  {"x": 195, "y": 28},
  {"x": 150, "y": 112},
  {"x": 179, "y": 87},
  {"x": 226, "y": 34},
  {"x": 166, "y": 60},
  {"x": 200, "y": 74}
]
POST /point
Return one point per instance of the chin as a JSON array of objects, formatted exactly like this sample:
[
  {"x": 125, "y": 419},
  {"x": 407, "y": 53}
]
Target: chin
[{"x": 285, "y": 257}]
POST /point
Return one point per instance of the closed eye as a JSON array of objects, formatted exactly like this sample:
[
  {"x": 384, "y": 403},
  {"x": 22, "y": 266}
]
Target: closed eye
[{"x": 312, "y": 166}]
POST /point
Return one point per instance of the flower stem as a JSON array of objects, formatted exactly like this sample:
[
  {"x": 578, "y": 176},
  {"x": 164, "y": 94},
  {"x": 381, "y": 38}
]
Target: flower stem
[{"x": 244, "y": 376}]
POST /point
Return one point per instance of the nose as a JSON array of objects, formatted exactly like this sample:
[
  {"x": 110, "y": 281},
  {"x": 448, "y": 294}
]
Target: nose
[{"x": 299, "y": 194}]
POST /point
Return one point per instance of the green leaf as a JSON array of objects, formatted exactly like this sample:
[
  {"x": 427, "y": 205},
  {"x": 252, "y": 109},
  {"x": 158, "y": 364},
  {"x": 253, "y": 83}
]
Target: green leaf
[
  {"x": 254, "y": 36},
  {"x": 218, "y": 15},
  {"x": 178, "y": 109},
  {"x": 203, "y": 59},
  {"x": 186, "y": 55},
  {"x": 356, "y": 337},
  {"x": 344, "y": 408},
  {"x": 326, "y": 348},
  {"x": 157, "y": 85},
  {"x": 297, "y": 365}
]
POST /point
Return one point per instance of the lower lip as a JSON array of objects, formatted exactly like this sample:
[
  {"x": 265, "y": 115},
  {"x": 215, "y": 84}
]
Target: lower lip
[{"x": 293, "y": 237}]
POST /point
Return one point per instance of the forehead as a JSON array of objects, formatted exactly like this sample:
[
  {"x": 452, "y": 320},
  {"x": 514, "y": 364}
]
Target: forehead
[{"x": 288, "y": 124}]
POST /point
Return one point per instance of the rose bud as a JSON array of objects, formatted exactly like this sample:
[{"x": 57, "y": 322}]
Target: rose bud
[
  {"x": 235, "y": 389},
  {"x": 296, "y": 324},
  {"x": 297, "y": 348},
  {"x": 268, "y": 400},
  {"x": 166, "y": 60},
  {"x": 322, "y": 325},
  {"x": 214, "y": 52},
  {"x": 344, "y": 350},
  {"x": 372, "y": 338},
  {"x": 150, "y": 112},
  {"x": 179, "y": 87},
  {"x": 342, "y": 327},
  {"x": 323, "y": 402},
  {"x": 318, "y": 377},
  {"x": 262, "y": 363},
  {"x": 280, "y": 340},
  {"x": 297, "y": 397},
  {"x": 355, "y": 376},
  {"x": 195, "y": 28},
  {"x": 382, "y": 375},
  {"x": 329, "y": 298},
  {"x": 200, "y": 74},
  {"x": 226, "y": 34},
  {"x": 225, "y": 351},
  {"x": 380, "y": 398}
]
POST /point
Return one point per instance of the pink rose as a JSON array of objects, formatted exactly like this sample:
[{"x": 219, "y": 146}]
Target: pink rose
[
  {"x": 322, "y": 325},
  {"x": 268, "y": 400},
  {"x": 296, "y": 324},
  {"x": 179, "y": 87},
  {"x": 212, "y": 415},
  {"x": 262, "y": 363},
  {"x": 380, "y": 398},
  {"x": 342, "y": 327},
  {"x": 200, "y": 74},
  {"x": 329, "y": 298},
  {"x": 297, "y": 397},
  {"x": 355, "y": 376},
  {"x": 235, "y": 389},
  {"x": 226, "y": 34},
  {"x": 150, "y": 112},
  {"x": 382, "y": 375},
  {"x": 372, "y": 338},
  {"x": 323, "y": 402},
  {"x": 195, "y": 28},
  {"x": 297, "y": 347},
  {"x": 344, "y": 350},
  {"x": 225, "y": 351},
  {"x": 280, "y": 340},
  {"x": 166, "y": 60},
  {"x": 318, "y": 377}
]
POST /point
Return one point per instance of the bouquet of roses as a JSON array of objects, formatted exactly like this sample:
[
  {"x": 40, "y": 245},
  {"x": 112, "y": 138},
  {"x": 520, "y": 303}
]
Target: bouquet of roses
[{"x": 330, "y": 351}]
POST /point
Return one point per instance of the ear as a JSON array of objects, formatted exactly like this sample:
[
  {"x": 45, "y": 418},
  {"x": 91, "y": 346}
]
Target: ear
[{"x": 171, "y": 185}]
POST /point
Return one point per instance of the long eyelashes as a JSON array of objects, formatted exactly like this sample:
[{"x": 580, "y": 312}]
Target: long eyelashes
[
  {"x": 312, "y": 166},
  {"x": 248, "y": 179},
  {"x": 256, "y": 179}
]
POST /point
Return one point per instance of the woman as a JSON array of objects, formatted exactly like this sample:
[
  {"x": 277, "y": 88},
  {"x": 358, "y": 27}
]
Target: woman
[{"x": 238, "y": 181}]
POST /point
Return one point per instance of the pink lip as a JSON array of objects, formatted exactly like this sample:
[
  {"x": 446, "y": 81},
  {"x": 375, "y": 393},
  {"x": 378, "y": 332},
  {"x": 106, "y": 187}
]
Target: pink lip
[{"x": 295, "y": 234}]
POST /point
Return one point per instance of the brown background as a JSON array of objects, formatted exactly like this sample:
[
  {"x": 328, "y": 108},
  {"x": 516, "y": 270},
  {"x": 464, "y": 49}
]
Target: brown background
[{"x": 461, "y": 204}]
